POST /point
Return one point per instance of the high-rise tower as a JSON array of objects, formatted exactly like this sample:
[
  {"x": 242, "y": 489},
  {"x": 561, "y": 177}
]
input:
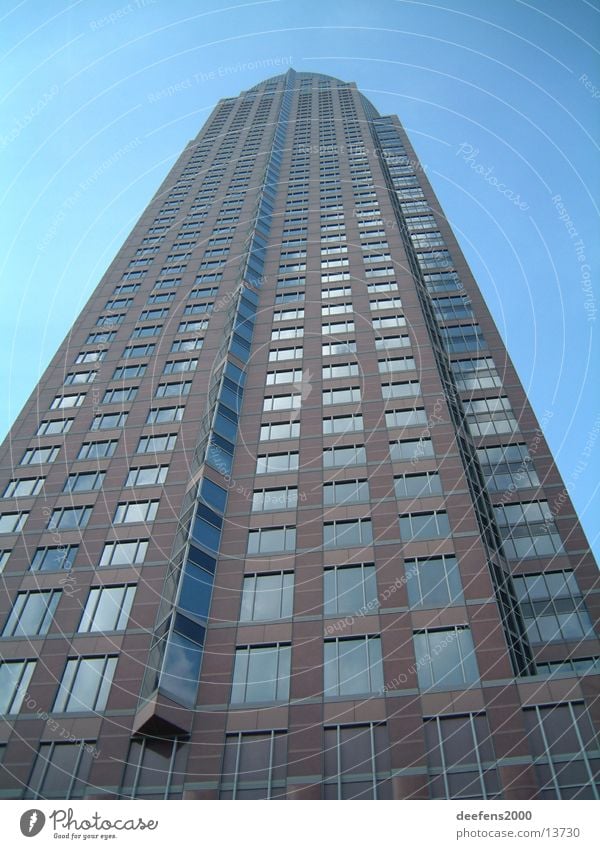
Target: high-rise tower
[{"x": 278, "y": 520}]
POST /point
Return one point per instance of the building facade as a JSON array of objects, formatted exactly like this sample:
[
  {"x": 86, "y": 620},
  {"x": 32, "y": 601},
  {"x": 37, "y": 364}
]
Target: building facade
[{"x": 278, "y": 521}]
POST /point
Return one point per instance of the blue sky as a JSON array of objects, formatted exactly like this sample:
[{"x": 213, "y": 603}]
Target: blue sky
[{"x": 100, "y": 98}]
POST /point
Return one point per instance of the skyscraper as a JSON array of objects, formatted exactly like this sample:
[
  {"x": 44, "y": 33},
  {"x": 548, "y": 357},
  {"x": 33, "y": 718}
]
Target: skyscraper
[{"x": 278, "y": 520}]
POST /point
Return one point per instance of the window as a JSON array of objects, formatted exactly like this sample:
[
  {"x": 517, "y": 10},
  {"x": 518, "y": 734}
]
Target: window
[
  {"x": 85, "y": 684},
  {"x": 479, "y": 373},
  {"x": 153, "y": 444},
  {"x": 135, "y": 511},
  {"x": 60, "y": 771},
  {"x": 281, "y": 402},
  {"x": 287, "y": 333},
  {"x": 418, "y": 486},
  {"x": 417, "y": 526},
  {"x": 52, "y": 558},
  {"x": 261, "y": 674},
  {"x": 181, "y": 345},
  {"x": 453, "y": 308},
  {"x": 289, "y": 376},
  {"x": 385, "y": 304},
  {"x": 331, "y": 349},
  {"x": 4, "y": 555},
  {"x": 507, "y": 467},
  {"x": 124, "y": 553},
  {"x": 153, "y": 767},
  {"x": 14, "y": 682},
  {"x": 107, "y": 609},
  {"x": 344, "y": 534},
  {"x": 411, "y": 449},
  {"x": 350, "y": 589},
  {"x": 68, "y": 518},
  {"x": 12, "y": 523},
  {"x": 445, "y": 658},
  {"x": 565, "y": 750},
  {"x": 460, "y": 757},
  {"x": 552, "y": 606},
  {"x": 341, "y": 396},
  {"x": 100, "y": 336},
  {"x": 463, "y": 338},
  {"x": 335, "y": 327},
  {"x": 433, "y": 581},
  {"x": 97, "y": 450},
  {"x": 23, "y": 487},
  {"x": 160, "y": 415},
  {"x": 385, "y": 343},
  {"x": 352, "y": 666},
  {"x": 75, "y": 377},
  {"x": 254, "y": 765},
  {"x": 106, "y": 421},
  {"x": 528, "y": 530},
  {"x": 340, "y": 370},
  {"x": 344, "y": 455},
  {"x": 345, "y": 492},
  {"x": 287, "y": 315},
  {"x": 272, "y": 540},
  {"x": 49, "y": 428},
  {"x": 268, "y": 596},
  {"x": 357, "y": 762},
  {"x": 31, "y": 614},
  {"x": 343, "y": 424},
  {"x": 171, "y": 390},
  {"x": 271, "y": 463},
  {"x": 406, "y": 418},
  {"x": 279, "y": 354},
  {"x": 147, "y": 330},
  {"x": 265, "y": 500},
  {"x": 176, "y": 366},
  {"x": 146, "y": 475},
  {"x": 126, "y": 373},
  {"x": 337, "y": 309},
  {"x": 406, "y": 389},
  {"x": 133, "y": 351},
  {"x": 490, "y": 415},
  {"x": 63, "y": 402}
]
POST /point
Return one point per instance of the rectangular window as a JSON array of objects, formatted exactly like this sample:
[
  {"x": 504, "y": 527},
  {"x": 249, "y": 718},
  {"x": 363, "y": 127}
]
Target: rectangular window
[
  {"x": 281, "y": 430},
  {"x": 146, "y": 476},
  {"x": 267, "y": 596},
  {"x": 153, "y": 767},
  {"x": 97, "y": 450},
  {"x": 254, "y": 765},
  {"x": 133, "y": 351},
  {"x": 386, "y": 343},
  {"x": 76, "y": 377},
  {"x": 124, "y": 553},
  {"x": 528, "y": 530},
  {"x": 129, "y": 372},
  {"x": 553, "y": 607},
  {"x": 171, "y": 390},
  {"x": 406, "y": 418},
  {"x": 49, "y": 428},
  {"x": 336, "y": 327},
  {"x": 265, "y": 500},
  {"x": 145, "y": 331},
  {"x": 12, "y": 523},
  {"x": 63, "y": 402},
  {"x": 346, "y": 534},
  {"x": 118, "y": 396},
  {"x": 107, "y": 421},
  {"x": 279, "y": 354},
  {"x": 487, "y": 416},
  {"x": 84, "y": 482},
  {"x": 261, "y": 674},
  {"x": 460, "y": 757},
  {"x": 32, "y": 613},
  {"x": 352, "y": 666},
  {"x": 177, "y": 366},
  {"x": 344, "y": 455},
  {"x": 417, "y": 526},
  {"x": 107, "y": 609},
  {"x": 128, "y": 512},
  {"x": 85, "y": 684},
  {"x": 445, "y": 658},
  {"x": 507, "y": 467},
  {"x": 463, "y": 338},
  {"x": 69, "y": 518},
  {"x": 288, "y": 376},
  {"x": 350, "y": 589},
  {"x": 4, "y": 555},
  {"x": 160, "y": 415},
  {"x": 60, "y": 771},
  {"x": 433, "y": 581},
  {"x": 23, "y": 487},
  {"x": 272, "y": 463},
  {"x": 345, "y": 492},
  {"x": 281, "y": 402},
  {"x": 405, "y": 389},
  {"x": 154, "y": 444},
  {"x": 15, "y": 677},
  {"x": 350, "y": 395},
  {"x": 272, "y": 540},
  {"x": 343, "y": 424},
  {"x": 357, "y": 762},
  {"x": 418, "y": 486},
  {"x": 477, "y": 373},
  {"x": 564, "y": 747},
  {"x": 52, "y": 558},
  {"x": 287, "y": 333}
]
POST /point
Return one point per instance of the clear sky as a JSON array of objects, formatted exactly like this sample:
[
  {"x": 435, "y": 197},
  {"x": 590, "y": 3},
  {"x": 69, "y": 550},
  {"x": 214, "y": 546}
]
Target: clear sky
[{"x": 99, "y": 97}]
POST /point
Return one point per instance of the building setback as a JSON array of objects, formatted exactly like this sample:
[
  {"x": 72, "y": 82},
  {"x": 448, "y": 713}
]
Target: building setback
[{"x": 278, "y": 521}]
